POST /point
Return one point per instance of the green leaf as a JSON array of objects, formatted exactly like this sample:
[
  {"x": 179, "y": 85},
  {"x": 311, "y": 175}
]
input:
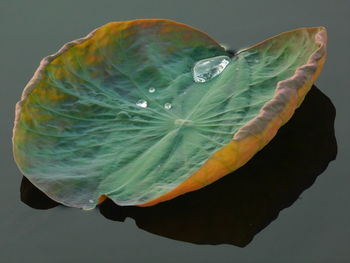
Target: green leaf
[{"x": 118, "y": 114}]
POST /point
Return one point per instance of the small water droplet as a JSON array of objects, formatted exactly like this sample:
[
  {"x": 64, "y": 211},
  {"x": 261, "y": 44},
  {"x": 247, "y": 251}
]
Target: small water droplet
[
  {"x": 209, "y": 68},
  {"x": 142, "y": 103},
  {"x": 123, "y": 115},
  {"x": 151, "y": 90},
  {"x": 167, "y": 106},
  {"x": 91, "y": 201}
]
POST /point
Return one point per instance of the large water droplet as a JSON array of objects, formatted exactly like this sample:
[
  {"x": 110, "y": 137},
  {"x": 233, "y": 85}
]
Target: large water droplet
[
  {"x": 167, "y": 106},
  {"x": 151, "y": 90},
  {"x": 209, "y": 68},
  {"x": 142, "y": 103}
]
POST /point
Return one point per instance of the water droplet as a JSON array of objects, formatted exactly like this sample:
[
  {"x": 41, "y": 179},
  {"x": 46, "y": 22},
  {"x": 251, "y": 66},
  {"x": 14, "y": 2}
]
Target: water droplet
[
  {"x": 142, "y": 103},
  {"x": 151, "y": 90},
  {"x": 167, "y": 106},
  {"x": 209, "y": 68},
  {"x": 91, "y": 201},
  {"x": 123, "y": 115}
]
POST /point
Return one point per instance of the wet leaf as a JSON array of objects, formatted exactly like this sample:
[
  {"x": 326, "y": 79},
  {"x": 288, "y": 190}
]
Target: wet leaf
[{"x": 118, "y": 113}]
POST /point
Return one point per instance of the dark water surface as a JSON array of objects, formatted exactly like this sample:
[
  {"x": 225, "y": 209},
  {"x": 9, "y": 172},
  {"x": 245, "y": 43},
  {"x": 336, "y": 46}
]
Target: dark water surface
[{"x": 285, "y": 205}]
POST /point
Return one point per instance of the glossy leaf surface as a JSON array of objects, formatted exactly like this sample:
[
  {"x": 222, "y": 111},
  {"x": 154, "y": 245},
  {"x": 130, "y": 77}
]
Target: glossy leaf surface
[{"x": 118, "y": 113}]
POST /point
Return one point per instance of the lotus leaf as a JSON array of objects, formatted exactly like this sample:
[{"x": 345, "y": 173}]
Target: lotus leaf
[{"x": 118, "y": 114}]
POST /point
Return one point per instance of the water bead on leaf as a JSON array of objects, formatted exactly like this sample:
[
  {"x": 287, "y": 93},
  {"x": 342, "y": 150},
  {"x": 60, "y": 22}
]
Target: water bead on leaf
[
  {"x": 209, "y": 68},
  {"x": 142, "y": 103},
  {"x": 151, "y": 90},
  {"x": 123, "y": 115},
  {"x": 167, "y": 106}
]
